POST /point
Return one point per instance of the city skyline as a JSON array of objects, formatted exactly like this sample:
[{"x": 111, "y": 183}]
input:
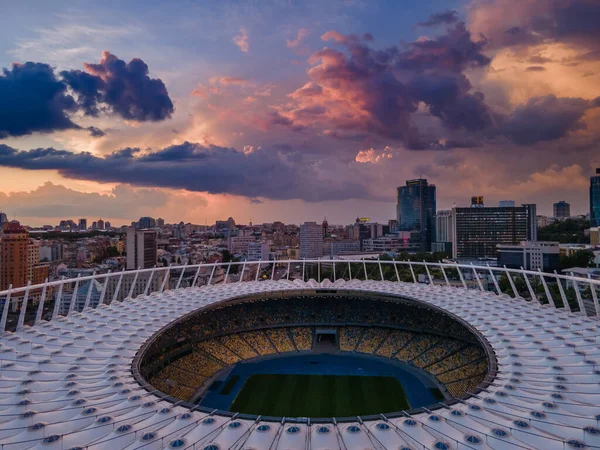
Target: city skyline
[{"x": 273, "y": 111}]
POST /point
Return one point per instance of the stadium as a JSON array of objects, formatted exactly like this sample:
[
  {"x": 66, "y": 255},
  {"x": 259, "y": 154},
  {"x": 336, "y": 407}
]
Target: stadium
[{"x": 292, "y": 362}]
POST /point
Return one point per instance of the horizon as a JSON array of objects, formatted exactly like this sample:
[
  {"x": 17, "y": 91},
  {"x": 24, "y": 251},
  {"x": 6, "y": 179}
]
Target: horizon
[{"x": 277, "y": 111}]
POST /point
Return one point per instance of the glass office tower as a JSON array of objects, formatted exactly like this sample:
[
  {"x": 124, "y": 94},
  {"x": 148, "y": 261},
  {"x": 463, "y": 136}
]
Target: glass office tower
[
  {"x": 415, "y": 207},
  {"x": 595, "y": 199}
]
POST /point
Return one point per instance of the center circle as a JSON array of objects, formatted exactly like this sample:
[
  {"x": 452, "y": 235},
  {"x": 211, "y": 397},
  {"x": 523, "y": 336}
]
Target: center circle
[{"x": 320, "y": 354}]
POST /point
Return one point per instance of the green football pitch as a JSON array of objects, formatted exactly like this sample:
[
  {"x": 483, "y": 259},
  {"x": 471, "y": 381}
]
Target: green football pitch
[{"x": 319, "y": 395}]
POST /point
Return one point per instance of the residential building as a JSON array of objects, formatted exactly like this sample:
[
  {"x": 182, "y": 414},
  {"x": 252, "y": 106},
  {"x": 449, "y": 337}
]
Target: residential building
[
  {"x": 561, "y": 210},
  {"x": 443, "y": 232},
  {"x": 258, "y": 251},
  {"x": 415, "y": 209},
  {"x": 19, "y": 258},
  {"x": 311, "y": 240},
  {"x": 506, "y": 204},
  {"x": 544, "y": 256},
  {"x": 14, "y": 256},
  {"x": 595, "y": 199},
  {"x": 160, "y": 222},
  {"x": 341, "y": 246},
  {"x": 33, "y": 257},
  {"x": 224, "y": 226},
  {"x": 3, "y": 219},
  {"x": 542, "y": 221},
  {"x": 238, "y": 245},
  {"x": 141, "y": 248},
  {"x": 477, "y": 231},
  {"x": 595, "y": 236},
  {"x": 82, "y": 226},
  {"x": 100, "y": 224}
]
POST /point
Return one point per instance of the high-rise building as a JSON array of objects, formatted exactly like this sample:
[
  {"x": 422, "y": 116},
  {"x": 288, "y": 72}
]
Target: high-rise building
[
  {"x": 595, "y": 199},
  {"x": 82, "y": 224},
  {"x": 3, "y": 219},
  {"x": 19, "y": 258},
  {"x": 311, "y": 240},
  {"x": 562, "y": 210},
  {"x": 325, "y": 228},
  {"x": 477, "y": 231},
  {"x": 531, "y": 209},
  {"x": 14, "y": 256},
  {"x": 100, "y": 224},
  {"x": 146, "y": 222},
  {"x": 443, "y": 232},
  {"x": 141, "y": 248},
  {"x": 160, "y": 222},
  {"x": 415, "y": 207},
  {"x": 506, "y": 204},
  {"x": 107, "y": 225}
]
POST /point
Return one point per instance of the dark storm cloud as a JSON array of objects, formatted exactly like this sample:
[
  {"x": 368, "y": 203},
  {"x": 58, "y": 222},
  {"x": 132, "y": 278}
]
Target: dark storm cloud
[
  {"x": 535, "y": 69},
  {"x": 96, "y": 132},
  {"x": 442, "y": 18},
  {"x": 34, "y": 99},
  {"x": 514, "y": 22},
  {"x": 546, "y": 118},
  {"x": 194, "y": 167},
  {"x": 123, "y": 87}
]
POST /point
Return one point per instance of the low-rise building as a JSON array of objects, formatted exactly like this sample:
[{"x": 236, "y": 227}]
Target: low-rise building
[
  {"x": 341, "y": 247},
  {"x": 530, "y": 255}
]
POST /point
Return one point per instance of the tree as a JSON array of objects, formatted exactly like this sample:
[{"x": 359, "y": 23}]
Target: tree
[
  {"x": 569, "y": 231},
  {"x": 582, "y": 258},
  {"x": 112, "y": 252}
]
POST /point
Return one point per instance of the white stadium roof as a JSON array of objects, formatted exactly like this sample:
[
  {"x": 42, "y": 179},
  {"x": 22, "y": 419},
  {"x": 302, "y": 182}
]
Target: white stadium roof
[{"x": 68, "y": 383}]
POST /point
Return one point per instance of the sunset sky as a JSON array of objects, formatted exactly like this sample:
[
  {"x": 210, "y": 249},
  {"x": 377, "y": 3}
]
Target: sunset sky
[{"x": 293, "y": 110}]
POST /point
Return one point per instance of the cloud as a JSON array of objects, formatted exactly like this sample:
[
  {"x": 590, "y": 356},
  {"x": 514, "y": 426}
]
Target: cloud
[
  {"x": 33, "y": 99},
  {"x": 194, "y": 167},
  {"x": 442, "y": 18},
  {"x": 241, "y": 40},
  {"x": 229, "y": 81},
  {"x": 535, "y": 69},
  {"x": 533, "y": 22},
  {"x": 124, "y": 88},
  {"x": 57, "y": 201},
  {"x": 378, "y": 91},
  {"x": 302, "y": 34},
  {"x": 373, "y": 156},
  {"x": 546, "y": 118},
  {"x": 96, "y": 132}
]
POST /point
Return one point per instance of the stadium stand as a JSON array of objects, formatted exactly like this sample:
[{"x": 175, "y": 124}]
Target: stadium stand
[{"x": 244, "y": 330}]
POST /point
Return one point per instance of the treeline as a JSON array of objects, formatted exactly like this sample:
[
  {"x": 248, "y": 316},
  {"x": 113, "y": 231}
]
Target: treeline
[{"x": 569, "y": 231}]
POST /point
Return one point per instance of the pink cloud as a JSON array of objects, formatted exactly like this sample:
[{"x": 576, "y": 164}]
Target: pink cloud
[
  {"x": 302, "y": 33},
  {"x": 241, "y": 40}
]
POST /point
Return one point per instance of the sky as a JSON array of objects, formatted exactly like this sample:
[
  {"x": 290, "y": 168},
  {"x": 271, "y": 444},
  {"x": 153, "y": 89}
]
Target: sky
[{"x": 293, "y": 110}]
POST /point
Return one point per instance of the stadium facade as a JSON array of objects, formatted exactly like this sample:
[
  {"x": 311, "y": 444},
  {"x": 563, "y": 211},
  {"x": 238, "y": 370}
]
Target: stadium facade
[{"x": 77, "y": 381}]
